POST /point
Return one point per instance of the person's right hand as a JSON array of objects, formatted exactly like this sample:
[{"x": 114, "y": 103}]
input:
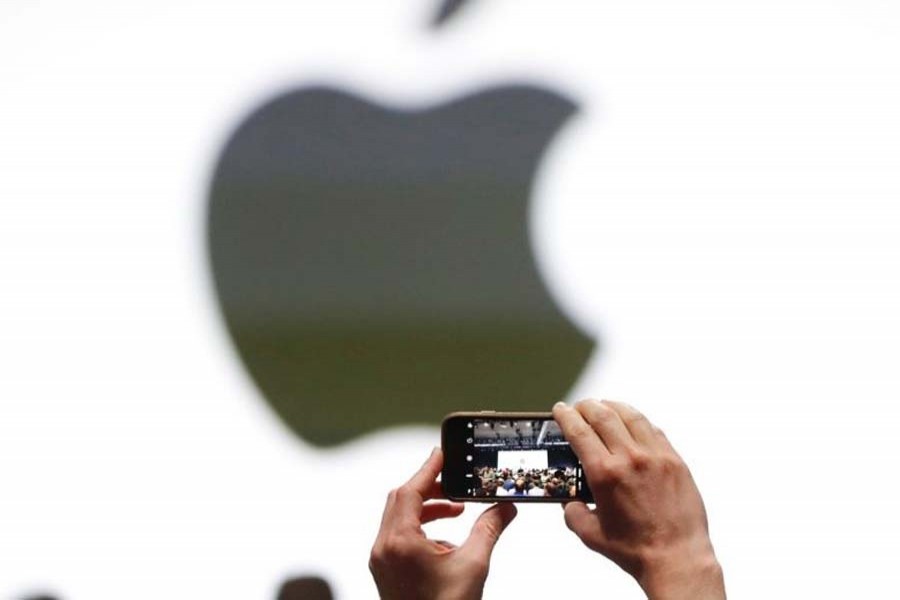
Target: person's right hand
[
  {"x": 649, "y": 517},
  {"x": 407, "y": 565}
]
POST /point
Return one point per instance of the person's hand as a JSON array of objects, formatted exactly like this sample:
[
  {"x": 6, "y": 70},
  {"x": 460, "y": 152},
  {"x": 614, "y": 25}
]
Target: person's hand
[
  {"x": 408, "y": 565},
  {"x": 649, "y": 517}
]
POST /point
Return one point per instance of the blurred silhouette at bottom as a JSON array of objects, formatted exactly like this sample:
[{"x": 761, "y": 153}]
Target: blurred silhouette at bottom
[{"x": 305, "y": 588}]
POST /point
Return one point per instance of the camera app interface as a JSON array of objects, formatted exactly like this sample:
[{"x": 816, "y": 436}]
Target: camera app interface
[{"x": 526, "y": 458}]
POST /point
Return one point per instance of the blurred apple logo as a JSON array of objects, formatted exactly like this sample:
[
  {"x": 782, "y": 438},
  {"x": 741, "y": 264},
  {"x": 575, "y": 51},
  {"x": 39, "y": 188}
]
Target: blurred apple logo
[{"x": 373, "y": 263}]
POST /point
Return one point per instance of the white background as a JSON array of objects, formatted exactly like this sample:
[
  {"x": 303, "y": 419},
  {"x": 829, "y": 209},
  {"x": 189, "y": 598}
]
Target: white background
[{"x": 723, "y": 212}]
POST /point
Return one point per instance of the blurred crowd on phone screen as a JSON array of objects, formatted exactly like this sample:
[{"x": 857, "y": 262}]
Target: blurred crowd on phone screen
[{"x": 545, "y": 483}]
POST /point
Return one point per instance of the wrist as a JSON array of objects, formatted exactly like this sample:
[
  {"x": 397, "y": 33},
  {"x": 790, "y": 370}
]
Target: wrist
[{"x": 683, "y": 575}]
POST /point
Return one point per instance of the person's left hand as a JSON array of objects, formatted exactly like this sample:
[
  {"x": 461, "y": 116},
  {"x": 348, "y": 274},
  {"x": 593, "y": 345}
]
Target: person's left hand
[{"x": 408, "y": 565}]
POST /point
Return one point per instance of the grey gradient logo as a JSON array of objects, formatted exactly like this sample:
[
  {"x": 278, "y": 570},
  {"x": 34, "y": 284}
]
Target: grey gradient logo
[{"x": 373, "y": 265}]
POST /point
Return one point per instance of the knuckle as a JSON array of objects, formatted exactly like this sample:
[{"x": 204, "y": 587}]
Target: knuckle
[
  {"x": 616, "y": 472},
  {"x": 634, "y": 418},
  {"x": 593, "y": 411},
  {"x": 582, "y": 432},
  {"x": 403, "y": 492},
  {"x": 672, "y": 463},
  {"x": 376, "y": 557},
  {"x": 392, "y": 549},
  {"x": 492, "y": 529},
  {"x": 580, "y": 428},
  {"x": 614, "y": 405},
  {"x": 639, "y": 460},
  {"x": 603, "y": 412}
]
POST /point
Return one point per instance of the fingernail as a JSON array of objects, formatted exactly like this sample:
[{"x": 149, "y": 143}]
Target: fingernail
[{"x": 559, "y": 405}]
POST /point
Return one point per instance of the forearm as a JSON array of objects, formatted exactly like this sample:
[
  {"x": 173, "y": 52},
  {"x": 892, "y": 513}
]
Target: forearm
[{"x": 697, "y": 577}]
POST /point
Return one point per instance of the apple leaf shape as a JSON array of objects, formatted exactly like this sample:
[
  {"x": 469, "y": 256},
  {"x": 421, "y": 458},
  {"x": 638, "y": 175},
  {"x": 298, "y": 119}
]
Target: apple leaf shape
[
  {"x": 373, "y": 265},
  {"x": 446, "y": 10}
]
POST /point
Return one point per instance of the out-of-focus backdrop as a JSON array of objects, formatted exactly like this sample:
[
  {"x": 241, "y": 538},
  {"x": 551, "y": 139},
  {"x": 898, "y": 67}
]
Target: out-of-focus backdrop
[{"x": 251, "y": 252}]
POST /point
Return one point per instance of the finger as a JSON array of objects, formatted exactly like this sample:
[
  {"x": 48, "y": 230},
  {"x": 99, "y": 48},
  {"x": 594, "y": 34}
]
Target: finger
[
  {"x": 637, "y": 424},
  {"x": 423, "y": 480},
  {"x": 607, "y": 423},
  {"x": 585, "y": 524},
  {"x": 585, "y": 442},
  {"x": 441, "y": 510},
  {"x": 487, "y": 531},
  {"x": 423, "y": 485},
  {"x": 663, "y": 442},
  {"x": 435, "y": 492},
  {"x": 404, "y": 504}
]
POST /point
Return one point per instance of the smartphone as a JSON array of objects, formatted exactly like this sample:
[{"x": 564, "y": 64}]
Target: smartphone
[{"x": 509, "y": 457}]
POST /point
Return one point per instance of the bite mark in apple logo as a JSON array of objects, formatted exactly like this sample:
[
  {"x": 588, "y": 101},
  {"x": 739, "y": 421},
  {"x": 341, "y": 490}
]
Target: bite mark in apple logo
[{"x": 373, "y": 264}]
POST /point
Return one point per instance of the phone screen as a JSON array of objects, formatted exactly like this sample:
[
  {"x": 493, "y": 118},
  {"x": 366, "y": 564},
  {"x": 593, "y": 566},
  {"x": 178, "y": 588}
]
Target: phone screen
[{"x": 505, "y": 458}]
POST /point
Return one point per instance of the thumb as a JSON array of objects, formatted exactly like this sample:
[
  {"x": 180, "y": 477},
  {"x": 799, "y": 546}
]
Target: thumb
[
  {"x": 487, "y": 529},
  {"x": 585, "y": 524}
]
